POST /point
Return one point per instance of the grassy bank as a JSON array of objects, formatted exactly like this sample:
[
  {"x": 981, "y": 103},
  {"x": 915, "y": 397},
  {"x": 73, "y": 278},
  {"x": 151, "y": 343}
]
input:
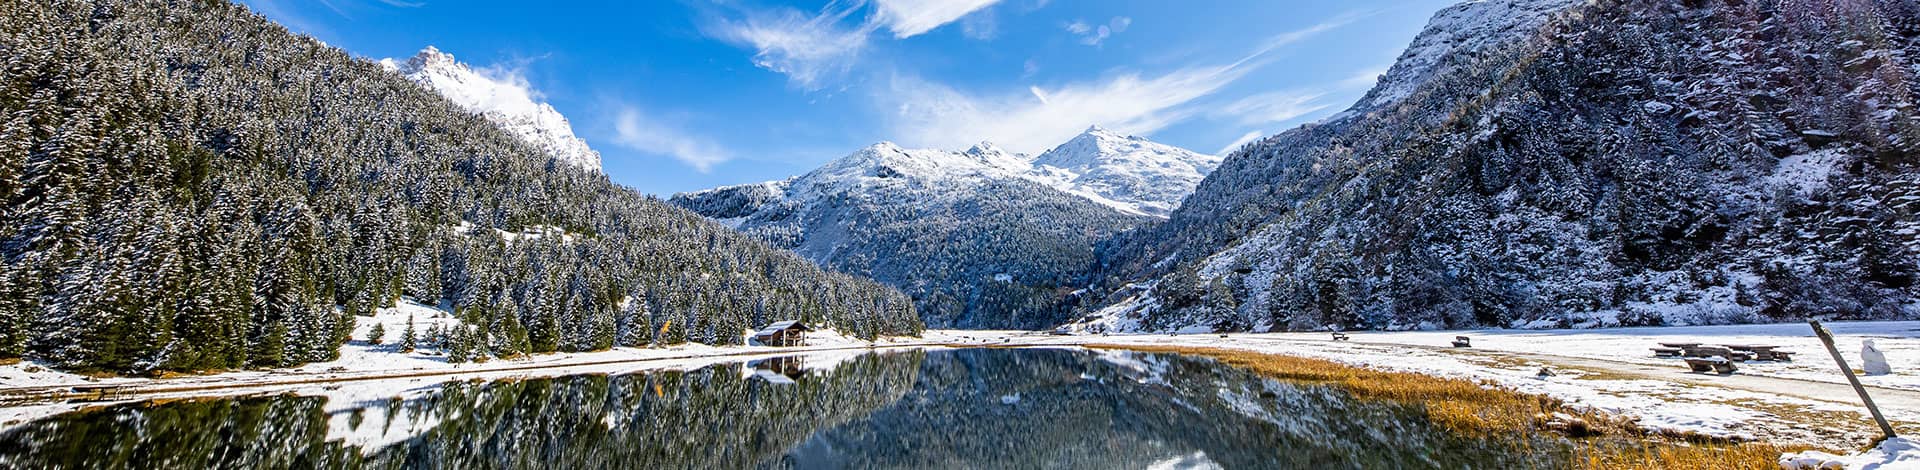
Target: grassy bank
[{"x": 1476, "y": 409}]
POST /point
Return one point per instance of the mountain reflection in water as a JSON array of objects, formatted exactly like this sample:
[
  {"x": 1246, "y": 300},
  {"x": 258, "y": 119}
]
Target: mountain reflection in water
[{"x": 973, "y": 408}]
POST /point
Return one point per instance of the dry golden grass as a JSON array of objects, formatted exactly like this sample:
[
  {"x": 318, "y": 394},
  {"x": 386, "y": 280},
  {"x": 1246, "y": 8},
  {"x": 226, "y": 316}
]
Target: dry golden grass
[
  {"x": 1667, "y": 455},
  {"x": 1476, "y": 409}
]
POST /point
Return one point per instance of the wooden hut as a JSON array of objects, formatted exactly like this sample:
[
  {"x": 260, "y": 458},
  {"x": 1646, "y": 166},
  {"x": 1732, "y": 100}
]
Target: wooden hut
[{"x": 783, "y": 333}]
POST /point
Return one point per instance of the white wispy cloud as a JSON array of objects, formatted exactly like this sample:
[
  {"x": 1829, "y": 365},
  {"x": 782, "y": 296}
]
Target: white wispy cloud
[
  {"x": 1282, "y": 106},
  {"x": 980, "y": 27},
  {"x": 807, "y": 48},
  {"x": 1285, "y": 39},
  {"x": 930, "y": 114},
  {"x": 1250, "y": 136},
  {"x": 909, "y": 18},
  {"x": 640, "y": 132},
  {"x": 812, "y": 48},
  {"x": 936, "y": 115},
  {"x": 1093, "y": 35},
  {"x": 1273, "y": 107}
]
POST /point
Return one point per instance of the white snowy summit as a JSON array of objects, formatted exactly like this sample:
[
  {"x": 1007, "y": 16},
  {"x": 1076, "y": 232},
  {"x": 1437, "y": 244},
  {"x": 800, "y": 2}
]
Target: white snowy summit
[
  {"x": 1129, "y": 173},
  {"x": 507, "y": 101},
  {"x": 972, "y": 236}
]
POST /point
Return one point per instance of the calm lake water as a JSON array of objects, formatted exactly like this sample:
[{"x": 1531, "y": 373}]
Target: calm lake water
[{"x": 978, "y": 408}]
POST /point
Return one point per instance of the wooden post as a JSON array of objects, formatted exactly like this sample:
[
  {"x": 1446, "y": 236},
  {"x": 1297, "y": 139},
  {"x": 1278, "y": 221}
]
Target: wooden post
[{"x": 1827, "y": 338}]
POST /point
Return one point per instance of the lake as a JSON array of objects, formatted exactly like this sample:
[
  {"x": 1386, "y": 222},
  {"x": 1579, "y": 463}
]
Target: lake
[{"x": 969, "y": 408}]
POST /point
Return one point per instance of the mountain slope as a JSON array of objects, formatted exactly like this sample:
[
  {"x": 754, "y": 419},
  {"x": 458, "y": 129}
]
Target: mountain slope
[
  {"x": 509, "y": 104},
  {"x": 972, "y": 241},
  {"x": 1544, "y": 162},
  {"x": 1132, "y": 174},
  {"x": 188, "y": 186}
]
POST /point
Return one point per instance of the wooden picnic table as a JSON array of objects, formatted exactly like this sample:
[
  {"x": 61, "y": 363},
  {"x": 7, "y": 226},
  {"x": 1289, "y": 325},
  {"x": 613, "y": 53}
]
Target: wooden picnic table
[
  {"x": 1718, "y": 365},
  {"x": 1768, "y": 353},
  {"x": 1681, "y": 345},
  {"x": 1709, "y": 351}
]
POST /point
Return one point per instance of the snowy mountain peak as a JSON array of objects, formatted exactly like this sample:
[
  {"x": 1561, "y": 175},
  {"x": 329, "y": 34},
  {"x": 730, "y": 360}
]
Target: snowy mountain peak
[
  {"x": 507, "y": 100},
  {"x": 985, "y": 148},
  {"x": 1466, "y": 27},
  {"x": 888, "y": 160},
  {"x": 430, "y": 57},
  {"x": 1129, "y": 173}
]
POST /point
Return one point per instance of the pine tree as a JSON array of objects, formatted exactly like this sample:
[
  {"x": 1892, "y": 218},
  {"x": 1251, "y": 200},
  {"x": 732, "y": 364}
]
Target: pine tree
[
  {"x": 459, "y": 345},
  {"x": 377, "y": 333},
  {"x": 407, "y": 337}
]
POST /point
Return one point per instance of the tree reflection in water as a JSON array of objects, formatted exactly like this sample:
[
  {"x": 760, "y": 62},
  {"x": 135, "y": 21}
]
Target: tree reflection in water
[{"x": 980, "y": 408}]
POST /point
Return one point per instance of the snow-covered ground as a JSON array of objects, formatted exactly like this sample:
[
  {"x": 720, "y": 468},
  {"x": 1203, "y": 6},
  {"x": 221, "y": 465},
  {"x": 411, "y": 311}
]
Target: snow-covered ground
[
  {"x": 1892, "y": 454},
  {"x": 1899, "y": 339}
]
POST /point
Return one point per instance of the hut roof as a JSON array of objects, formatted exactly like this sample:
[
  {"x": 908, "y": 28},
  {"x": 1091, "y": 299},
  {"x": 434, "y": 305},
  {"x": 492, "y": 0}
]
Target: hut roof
[{"x": 779, "y": 326}]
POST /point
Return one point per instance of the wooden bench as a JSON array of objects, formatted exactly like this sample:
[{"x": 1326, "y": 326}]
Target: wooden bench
[
  {"x": 1719, "y": 365},
  {"x": 1680, "y": 345},
  {"x": 1338, "y": 336},
  {"x": 1462, "y": 342},
  {"x": 1723, "y": 353},
  {"x": 1666, "y": 352}
]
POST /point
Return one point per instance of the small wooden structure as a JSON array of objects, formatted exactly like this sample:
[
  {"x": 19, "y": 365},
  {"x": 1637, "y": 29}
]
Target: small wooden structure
[
  {"x": 783, "y": 333},
  {"x": 1462, "y": 342},
  {"x": 1666, "y": 352},
  {"x": 1338, "y": 336},
  {"x": 1712, "y": 364}
]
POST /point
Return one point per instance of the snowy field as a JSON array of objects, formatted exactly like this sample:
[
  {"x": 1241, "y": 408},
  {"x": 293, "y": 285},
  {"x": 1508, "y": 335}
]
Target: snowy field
[{"x": 1899, "y": 340}]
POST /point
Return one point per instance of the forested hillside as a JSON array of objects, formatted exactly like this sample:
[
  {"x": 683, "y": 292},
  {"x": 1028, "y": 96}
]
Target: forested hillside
[
  {"x": 1553, "y": 163},
  {"x": 188, "y": 186},
  {"x": 975, "y": 244}
]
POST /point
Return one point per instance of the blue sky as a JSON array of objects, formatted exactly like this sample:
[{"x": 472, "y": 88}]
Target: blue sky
[{"x": 685, "y": 95}]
